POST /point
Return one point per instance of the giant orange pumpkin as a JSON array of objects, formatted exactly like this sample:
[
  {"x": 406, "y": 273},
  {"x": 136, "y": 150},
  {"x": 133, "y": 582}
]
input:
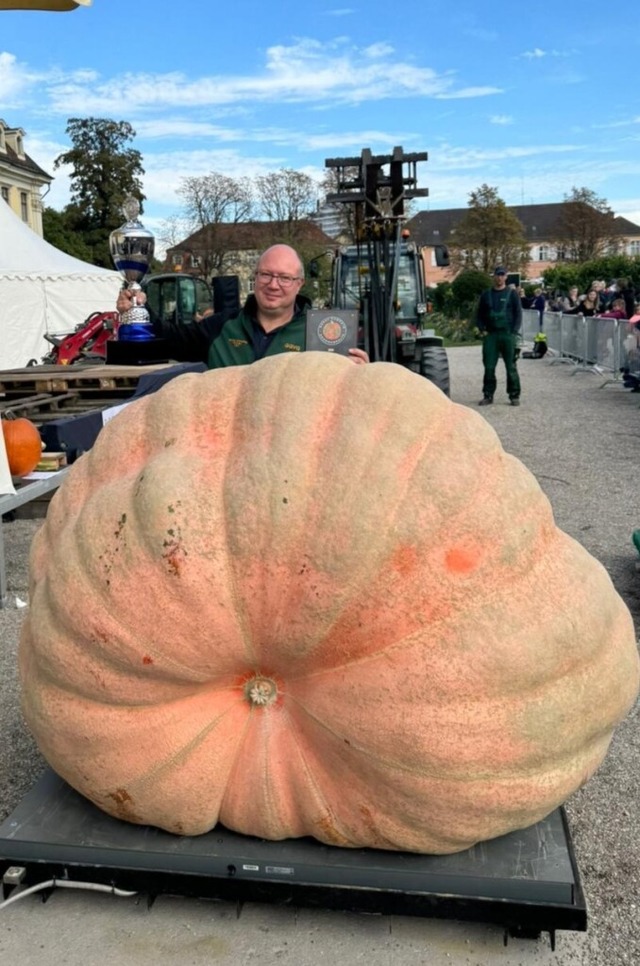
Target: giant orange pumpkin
[
  {"x": 23, "y": 445},
  {"x": 305, "y": 597}
]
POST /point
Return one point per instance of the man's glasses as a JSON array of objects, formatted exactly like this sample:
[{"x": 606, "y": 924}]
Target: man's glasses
[{"x": 284, "y": 281}]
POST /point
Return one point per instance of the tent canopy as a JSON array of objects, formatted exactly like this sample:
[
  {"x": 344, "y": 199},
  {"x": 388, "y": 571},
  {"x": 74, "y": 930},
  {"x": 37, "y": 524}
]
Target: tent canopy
[{"x": 43, "y": 291}]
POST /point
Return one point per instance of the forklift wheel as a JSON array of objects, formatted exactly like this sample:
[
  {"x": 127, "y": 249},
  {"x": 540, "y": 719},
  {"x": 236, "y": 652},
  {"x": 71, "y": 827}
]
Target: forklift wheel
[{"x": 434, "y": 366}]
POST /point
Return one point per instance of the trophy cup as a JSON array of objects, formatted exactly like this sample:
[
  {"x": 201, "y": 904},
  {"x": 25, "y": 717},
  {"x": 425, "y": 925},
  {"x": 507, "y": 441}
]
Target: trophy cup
[{"x": 132, "y": 247}]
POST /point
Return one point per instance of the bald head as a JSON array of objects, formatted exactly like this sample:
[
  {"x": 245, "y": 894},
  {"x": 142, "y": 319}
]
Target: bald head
[{"x": 282, "y": 255}]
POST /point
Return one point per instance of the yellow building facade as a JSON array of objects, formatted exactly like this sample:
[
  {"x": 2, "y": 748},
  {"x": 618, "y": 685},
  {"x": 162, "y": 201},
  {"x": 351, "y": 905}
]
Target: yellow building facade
[{"x": 21, "y": 179}]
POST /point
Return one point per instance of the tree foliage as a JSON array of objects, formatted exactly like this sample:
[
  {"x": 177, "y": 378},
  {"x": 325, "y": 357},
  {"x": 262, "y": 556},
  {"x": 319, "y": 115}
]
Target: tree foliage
[
  {"x": 57, "y": 232},
  {"x": 468, "y": 286},
  {"x": 209, "y": 201},
  {"x": 287, "y": 196},
  {"x": 214, "y": 198},
  {"x": 172, "y": 230},
  {"x": 454, "y": 305},
  {"x": 489, "y": 234},
  {"x": 586, "y": 227},
  {"x": 104, "y": 171},
  {"x": 609, "y": 268}
]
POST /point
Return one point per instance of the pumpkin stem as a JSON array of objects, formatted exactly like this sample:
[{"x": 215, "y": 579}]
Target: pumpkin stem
[{"x": 261, "y": 691}]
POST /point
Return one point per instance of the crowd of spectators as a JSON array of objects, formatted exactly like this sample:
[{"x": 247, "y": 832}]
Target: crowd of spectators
[{"x": 619, "y": 300}]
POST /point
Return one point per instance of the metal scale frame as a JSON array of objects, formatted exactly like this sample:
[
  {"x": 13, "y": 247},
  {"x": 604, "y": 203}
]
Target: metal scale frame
[{"x": 527, "y": 882}]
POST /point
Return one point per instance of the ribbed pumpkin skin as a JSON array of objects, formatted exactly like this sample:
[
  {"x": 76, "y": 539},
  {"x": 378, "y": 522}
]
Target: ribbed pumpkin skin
[
  {"x": 449, "y": 665},
  {"x": 23, "y": 444}
]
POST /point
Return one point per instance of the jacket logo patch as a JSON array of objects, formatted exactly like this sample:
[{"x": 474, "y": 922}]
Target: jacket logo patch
[
  {"x": 291, "y": 347},
  {"x": 236, "y": 342}
]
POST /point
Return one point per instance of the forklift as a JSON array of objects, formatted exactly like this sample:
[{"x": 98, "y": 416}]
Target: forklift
[{"x": 382, "y": 274}]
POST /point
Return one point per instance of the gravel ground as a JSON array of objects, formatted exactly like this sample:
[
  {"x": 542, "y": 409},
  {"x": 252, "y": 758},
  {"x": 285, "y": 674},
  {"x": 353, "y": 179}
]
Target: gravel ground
[{"x": 582, "y": 441}]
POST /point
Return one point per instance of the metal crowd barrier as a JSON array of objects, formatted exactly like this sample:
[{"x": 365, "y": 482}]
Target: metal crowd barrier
[{"x": 603, "y": 346}]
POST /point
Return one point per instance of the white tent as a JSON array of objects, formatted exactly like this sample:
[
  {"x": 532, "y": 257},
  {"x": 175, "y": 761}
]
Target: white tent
[{"x": 43, "y": 290}]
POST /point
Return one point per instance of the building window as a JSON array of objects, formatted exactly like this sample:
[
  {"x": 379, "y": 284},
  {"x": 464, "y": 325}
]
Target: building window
[
  {"x": 5, "y": 193},
  {"x": 196, "y": 261},
  {"x": 634, "y": 248},
  {"x": 176, "y": 259},
  {"x": 544, "y": 253},
  {"x": 24, "y": 208}
]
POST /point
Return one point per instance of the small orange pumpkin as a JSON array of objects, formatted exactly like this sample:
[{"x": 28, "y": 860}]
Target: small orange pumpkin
[{"x": 23, "y": 445}]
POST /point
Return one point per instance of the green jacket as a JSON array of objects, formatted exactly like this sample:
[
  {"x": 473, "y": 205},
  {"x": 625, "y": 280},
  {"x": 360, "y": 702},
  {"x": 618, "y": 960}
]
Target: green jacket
[
  {"x": 234, "y": 345},
  {"x": 499, "y": 309}
]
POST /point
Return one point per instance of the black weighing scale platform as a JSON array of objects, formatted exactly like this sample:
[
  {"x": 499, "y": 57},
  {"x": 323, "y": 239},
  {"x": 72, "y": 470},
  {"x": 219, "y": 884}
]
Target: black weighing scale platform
[{"x": 526, "y": 881}]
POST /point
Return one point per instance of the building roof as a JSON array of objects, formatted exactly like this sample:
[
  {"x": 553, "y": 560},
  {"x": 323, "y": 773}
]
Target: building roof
[
  {"x": 539, "y": 223},
  {"x": 21, "y": 163},
  {"x": 251, "y": 236}
]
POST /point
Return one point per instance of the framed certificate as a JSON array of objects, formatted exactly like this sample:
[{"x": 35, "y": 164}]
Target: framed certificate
[{"x": 332, "y": 330}]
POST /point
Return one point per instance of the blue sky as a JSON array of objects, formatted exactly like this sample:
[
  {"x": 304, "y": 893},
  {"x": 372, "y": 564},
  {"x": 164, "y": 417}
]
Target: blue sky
[{"x": 534, "y": 99}]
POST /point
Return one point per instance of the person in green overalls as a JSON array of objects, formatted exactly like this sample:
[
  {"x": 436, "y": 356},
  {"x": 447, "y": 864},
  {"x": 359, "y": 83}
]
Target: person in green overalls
[
  {"x": 499, "y": 318},
  {"x": 272, "y": 320}
]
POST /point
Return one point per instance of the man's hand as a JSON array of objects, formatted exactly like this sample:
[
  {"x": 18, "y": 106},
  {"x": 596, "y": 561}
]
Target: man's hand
[
  {"x": 128, "y": 300},
  {"x": 199, "y": 316},
  {"x": 359, "y": 356}
]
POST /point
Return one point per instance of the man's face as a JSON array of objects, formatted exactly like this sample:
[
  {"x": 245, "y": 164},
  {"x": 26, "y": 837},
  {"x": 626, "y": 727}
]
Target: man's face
[
  {"x": 499, "y": 281},
  {"x": 277, "y": 294}
]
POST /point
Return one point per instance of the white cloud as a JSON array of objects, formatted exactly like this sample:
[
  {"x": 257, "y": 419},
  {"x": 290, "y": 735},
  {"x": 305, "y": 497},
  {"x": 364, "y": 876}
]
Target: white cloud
[
  {"x": 167, "y": 127},
  {"x": 627, "y": 122},
  {"x": 308, "y": 72},
  {"x": 538, "y": 53},
  {"x": 463, "y": 158},
  {"x": 469, "y": 92},
  {"x": 378, "y": 50},
  {"x": 14, "y": 80},
  {"x": 501, "y": 119}
]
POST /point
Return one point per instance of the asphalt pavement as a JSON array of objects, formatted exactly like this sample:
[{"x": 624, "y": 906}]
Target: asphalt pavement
[{"x": 580, "y": 435}]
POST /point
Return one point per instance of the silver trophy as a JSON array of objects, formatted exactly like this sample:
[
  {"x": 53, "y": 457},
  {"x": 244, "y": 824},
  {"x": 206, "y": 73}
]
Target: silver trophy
[{"x": 132, "y": 247}]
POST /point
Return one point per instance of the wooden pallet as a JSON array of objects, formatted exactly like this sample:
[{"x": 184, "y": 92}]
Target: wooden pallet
[
  {"x": 37, "y": 379},
  {"x": 38, "y": 405},
  {"x": 44, "y": 393}
]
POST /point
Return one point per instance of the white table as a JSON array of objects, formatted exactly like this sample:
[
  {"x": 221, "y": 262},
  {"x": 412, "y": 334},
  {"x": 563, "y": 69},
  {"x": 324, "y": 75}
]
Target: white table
[{"x": 24, "y": 491}]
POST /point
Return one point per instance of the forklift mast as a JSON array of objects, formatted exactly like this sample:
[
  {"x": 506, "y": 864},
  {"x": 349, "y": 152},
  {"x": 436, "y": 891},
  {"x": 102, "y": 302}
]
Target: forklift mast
[{"x": 378, "y": 186}]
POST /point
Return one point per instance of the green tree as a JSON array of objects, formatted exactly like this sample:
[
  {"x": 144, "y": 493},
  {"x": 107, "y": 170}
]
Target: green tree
[
  {"x": 608, "y": 268},
  {"x": 487, "y": 235},
  {"x": 57, "y": 232},
  {"x": 586, "y": 227},
  {"x": 467, "y": 288},
  {"x": 105, "y": 170},
  {"x": 455, "y": 303}
]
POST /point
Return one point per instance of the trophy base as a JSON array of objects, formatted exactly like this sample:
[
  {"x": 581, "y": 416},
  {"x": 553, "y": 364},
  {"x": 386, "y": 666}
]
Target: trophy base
[
  {"x": 140, "y": 353},
  {"x": 135, "y": 331}
]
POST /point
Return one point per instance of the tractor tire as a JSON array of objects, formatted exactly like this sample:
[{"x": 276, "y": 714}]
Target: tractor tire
[{"x": 434, "y": 366}]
